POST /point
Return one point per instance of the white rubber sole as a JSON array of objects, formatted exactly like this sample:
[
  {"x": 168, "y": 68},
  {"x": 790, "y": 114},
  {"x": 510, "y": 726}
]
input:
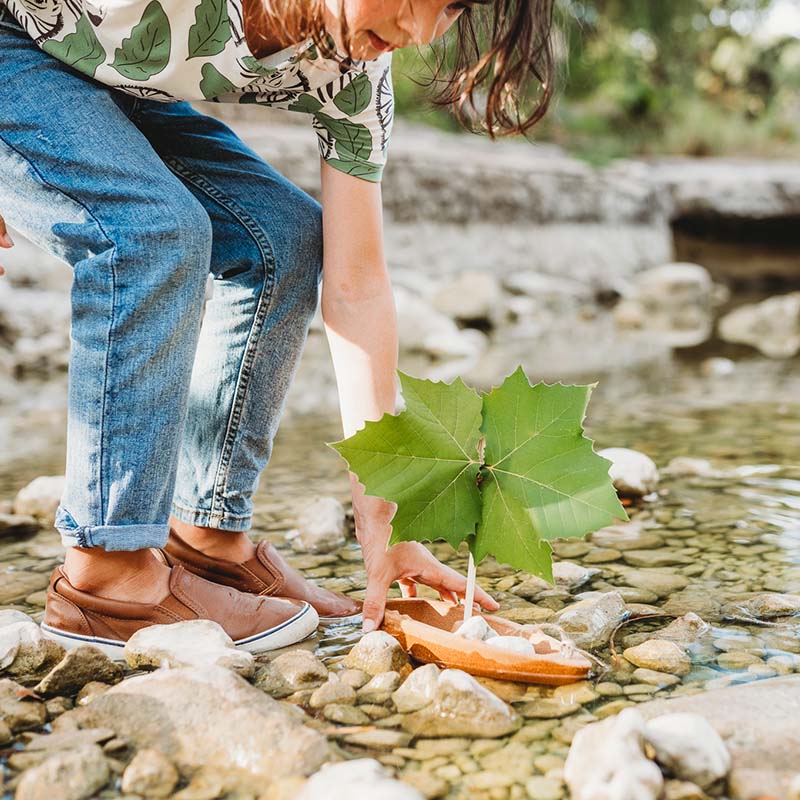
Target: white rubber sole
[{"x": 296, "y": 629}]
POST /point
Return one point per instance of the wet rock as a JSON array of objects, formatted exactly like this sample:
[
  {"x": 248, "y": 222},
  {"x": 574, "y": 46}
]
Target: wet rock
[
  {"x": 210, "y": 718},
  {"x": 18, "y": 584},
  {"x": 655, "y": 558},
  {"x": 767, "y": 605},
  {"x": 150, "y": 774},
  {"x": 418, "y": 690},
  {"x": 633, "y": 473},
  {"x": 660, "y": 655},
  {"x": 90, "y": 691},
  {"x": 190, "y": 643},
  {"x": 654, "y": 677},
  {"x": 354, "y": 677},
  {"x": 627, "y": 536},
  {"x": 685, "y": 630},
  {"x": 379, "y": 739},
  {"x": 549, "y": 708},
  {"x": 332, "y": 691},
  {"x": 40, "y": 497},
  {"x": 79, "y": 666},
  {"x": 291, "y": 672},
  {"x": 567, "y": 575},
  {"x": 771, "y": 326},
  {"x": 19, "y": 707},
  {"x": 345, "y": 714},
  {"x": 377, "y": 652},
  {"x": 758, "y": 723},
  {"x": 470, "y": 297},
  {"x": 379, "y": 689},
  {"x": 659, "y": 582},
  {"x": 359, "y": 779},
  {"x": 544, "y": 788},
  {"x": 320, "y": 526},
  {"x": 689, "y": 748},
  {"x": 18, "y": 525},
  {"x": 590, "y": 622},
  {"x": 70, "y": 775},
  {"x": 606, "y": 761},
  {"x": 462, "y": 707}
]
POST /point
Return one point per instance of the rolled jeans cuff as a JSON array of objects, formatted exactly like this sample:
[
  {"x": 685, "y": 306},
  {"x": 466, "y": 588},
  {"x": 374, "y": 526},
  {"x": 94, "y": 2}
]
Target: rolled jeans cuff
[{"x": 110, "y": 537}]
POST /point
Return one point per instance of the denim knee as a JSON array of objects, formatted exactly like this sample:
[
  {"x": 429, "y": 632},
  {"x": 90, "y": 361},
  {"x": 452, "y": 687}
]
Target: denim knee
[{"x": 306, "y": 237}]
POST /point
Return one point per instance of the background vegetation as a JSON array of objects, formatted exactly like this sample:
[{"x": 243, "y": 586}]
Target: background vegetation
[{"x": 694, "y": 77}]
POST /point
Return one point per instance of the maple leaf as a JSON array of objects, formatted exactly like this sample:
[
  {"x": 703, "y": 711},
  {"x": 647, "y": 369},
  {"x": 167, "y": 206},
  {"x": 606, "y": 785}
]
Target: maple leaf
[
  {"x": 506, "y": 471},
  {"x": 425, "y": 459}
]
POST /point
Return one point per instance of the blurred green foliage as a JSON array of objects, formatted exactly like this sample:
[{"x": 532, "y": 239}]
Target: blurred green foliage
[{"x": 642, "y": 77}]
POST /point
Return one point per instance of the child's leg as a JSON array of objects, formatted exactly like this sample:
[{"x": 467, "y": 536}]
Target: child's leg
[
  {"x": 267, "y": 262},
  {"x": 77, "y": 177}
]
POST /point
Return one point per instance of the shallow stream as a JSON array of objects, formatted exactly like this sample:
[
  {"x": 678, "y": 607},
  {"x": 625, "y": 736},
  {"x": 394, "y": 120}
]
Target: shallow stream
[{"x": 709, "y": 541}]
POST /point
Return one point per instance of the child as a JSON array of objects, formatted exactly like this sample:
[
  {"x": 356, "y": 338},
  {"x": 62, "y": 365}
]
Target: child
[{"x": 104, "y": 163}]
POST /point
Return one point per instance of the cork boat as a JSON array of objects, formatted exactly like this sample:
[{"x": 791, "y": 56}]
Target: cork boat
[{"x": 425, "y": 628}]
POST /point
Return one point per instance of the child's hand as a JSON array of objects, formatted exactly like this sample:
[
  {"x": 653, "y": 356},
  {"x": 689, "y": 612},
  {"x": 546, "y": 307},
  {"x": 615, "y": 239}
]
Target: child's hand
[
  {"x": 5, "y": 240},
  {"x": 408, "y": 563}
]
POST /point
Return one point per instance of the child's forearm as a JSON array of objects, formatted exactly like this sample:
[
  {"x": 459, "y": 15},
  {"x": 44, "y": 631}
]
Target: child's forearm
[{"x": 362, "y": 335}]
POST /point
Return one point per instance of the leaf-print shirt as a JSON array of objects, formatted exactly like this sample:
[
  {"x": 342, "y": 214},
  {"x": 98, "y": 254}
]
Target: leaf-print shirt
[{"x": 170, "y": 50}]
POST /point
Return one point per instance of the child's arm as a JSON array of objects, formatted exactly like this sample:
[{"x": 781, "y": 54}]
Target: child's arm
[{"x": 360, "y": 322}]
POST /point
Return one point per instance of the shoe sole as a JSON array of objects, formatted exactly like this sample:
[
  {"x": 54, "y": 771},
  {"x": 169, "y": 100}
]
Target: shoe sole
[{"x": 297, "y": 629}]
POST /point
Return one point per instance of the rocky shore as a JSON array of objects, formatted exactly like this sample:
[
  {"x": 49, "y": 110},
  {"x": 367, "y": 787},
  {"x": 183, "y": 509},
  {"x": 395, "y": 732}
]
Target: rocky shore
[{"x": 694, "y": 694}]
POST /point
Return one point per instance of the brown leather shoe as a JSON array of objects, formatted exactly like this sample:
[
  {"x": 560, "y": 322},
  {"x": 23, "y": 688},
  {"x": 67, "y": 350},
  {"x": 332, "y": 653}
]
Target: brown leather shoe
[
  {"x": 267, "y": 573},
  {"x": 73, "y": 617}
]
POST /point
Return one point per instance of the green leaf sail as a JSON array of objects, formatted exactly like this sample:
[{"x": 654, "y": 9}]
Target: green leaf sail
[
  {"x": 425, "y": 459},
  {"x": 536, "y": 451},
  {"x": 506, "y": 471},
  {"x": 508, "y": 532}
]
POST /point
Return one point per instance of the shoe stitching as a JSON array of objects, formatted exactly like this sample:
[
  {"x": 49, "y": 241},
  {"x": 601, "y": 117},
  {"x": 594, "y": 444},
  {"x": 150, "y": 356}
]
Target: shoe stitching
[
  {"x": 280, "y": 579},
  {"x": 178, "y": 592}
]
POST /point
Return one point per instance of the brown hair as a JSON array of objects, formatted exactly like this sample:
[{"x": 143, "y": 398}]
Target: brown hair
[{"x": 500, "y": 45}]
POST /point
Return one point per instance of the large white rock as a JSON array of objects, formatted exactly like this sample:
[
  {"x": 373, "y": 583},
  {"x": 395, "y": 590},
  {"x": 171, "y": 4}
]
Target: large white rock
[
  {"x": 209, "y": 718},
  {"x": 359, "y": 779},
  {"x": 377, "y": 652},
  {"x": 191, "y": 643},
  {"x": 418, "y": 690},
  {"x": 320, "y": 526},
  {"x": 462, "y": 707},
  {"x": 633, "y": 473},
  {"x": 689, "y": 748},
  {"x": 70, "y": 775},
  {"x": 771, "y": 326},
  {"x": 40, "y": 497},
  {"x": 24, "y": 650},
  {"x": 606, "y": 761}
]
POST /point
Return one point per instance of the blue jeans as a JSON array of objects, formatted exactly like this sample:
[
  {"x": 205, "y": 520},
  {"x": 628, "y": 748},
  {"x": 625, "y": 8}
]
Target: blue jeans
[{"x": 173, "y": 404}]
